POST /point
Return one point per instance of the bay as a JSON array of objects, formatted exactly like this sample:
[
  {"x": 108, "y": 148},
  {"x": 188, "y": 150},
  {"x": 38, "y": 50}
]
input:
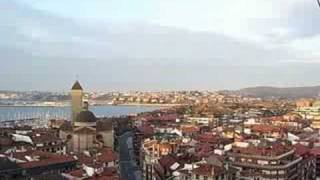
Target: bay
[{"x": 25, "y": 112}]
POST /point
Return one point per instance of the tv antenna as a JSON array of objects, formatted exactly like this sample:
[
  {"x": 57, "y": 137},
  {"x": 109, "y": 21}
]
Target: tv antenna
[{"x": 318, "y": 1}]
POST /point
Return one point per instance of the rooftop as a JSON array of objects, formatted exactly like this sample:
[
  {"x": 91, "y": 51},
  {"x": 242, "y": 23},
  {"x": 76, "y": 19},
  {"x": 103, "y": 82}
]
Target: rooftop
[
  {"x": 263, "y": 149},
  {"x": 208, "y": 170},
  {"x": 33, "y": 158},
  {"x": 76, "y": 86}
]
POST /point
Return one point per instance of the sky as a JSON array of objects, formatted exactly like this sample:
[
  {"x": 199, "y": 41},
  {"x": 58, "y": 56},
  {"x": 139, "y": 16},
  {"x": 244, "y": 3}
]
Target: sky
[{"x": 158, "y": 44}]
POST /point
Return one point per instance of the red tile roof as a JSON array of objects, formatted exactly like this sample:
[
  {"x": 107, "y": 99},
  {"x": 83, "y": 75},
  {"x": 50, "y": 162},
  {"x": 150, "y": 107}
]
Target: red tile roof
[
  {"x": 265, "y": 128},
  {"x": 77, "y": 173},
  {"x": 208, "y": 170},
  {"x": 146, "y": 129},
  {"x": 87, "y": 160},
  {"x": 115, "y": 177},
  {"x": 46, "y": 159},
  {"x": 109, "y": 173},
  {"x": 301, "y": 149},
  {"x": 167, "y": 161},
  {"x": 207, "y": 138},
  {"x": 189, "y": 129},
  {"x": 315, "y": 151},
  {"x": 273, "y": 149},
  {"x": 107, "y": 155},
  {"x": 104, "y": 155}
]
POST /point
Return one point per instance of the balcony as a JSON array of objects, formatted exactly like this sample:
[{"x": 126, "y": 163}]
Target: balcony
[{"x": 267, "y": 167}]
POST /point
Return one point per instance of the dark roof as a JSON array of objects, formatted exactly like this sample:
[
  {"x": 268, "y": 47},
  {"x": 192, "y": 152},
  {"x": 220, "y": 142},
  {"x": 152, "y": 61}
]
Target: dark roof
[
  {"x": 86, "y": 116},
  {"x": 167, "y": 161},
  {"x": 104, "y": 125},
  {"x": 5, "y": 141},
  {"x": 45, "y": 159},
  {"x": 6, "y": 164},
  {"x": 44, "y": 137},
  {"x": 208, "y": 170},
  {"x": 48, "y": 176},
  {"x": 76, "y": 86},
  {"x": 66, "y": 126}
]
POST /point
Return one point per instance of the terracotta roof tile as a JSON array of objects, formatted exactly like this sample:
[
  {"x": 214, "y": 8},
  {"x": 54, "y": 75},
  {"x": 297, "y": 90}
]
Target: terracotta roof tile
[
  {"x": 77, "y": 173},
  {"x": 265, "y": 128},
  {"x": 167, "y": 161},
  {"x": 189, "y": 129},
  {"x": 107, "y": 155},
  {"x": 208, "y": 170},
  {"x": 146, "y": 129},
  {"x": 315, "y": 151},
  {"x": 273, "y": 149},
  {"x": 207, "y": 138},
  {"x": 301, "y": 149},
  {"x": 46, "y": 159}
]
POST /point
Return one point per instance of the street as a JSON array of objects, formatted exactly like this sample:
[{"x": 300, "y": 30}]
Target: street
[{"x": 128, "y": 167}]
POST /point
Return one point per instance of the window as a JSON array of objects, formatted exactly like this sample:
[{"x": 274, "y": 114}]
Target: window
[
  {"x": 266, "y": 172},
  {"x": 205, "y": 178},
  {"x": 197, "y": 176},
  {"x": 262, "y": 162}
]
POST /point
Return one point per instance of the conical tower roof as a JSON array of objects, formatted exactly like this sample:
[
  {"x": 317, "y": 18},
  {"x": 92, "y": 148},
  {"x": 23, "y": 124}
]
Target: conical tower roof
[{"x": 76, "y": 86}]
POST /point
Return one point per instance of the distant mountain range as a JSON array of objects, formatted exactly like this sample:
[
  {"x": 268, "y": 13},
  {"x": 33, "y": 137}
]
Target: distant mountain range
[{"x": 277, "y": 92}]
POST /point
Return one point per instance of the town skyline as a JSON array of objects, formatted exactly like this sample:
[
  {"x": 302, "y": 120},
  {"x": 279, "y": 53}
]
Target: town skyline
[{"x": 160, "y": 89}]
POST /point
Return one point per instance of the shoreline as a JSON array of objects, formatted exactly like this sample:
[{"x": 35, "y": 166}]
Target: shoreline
[
  {"x": 150, "y": 105},
  {"x": 123, "y": 104},
  {"x": 30, "y": 106}
]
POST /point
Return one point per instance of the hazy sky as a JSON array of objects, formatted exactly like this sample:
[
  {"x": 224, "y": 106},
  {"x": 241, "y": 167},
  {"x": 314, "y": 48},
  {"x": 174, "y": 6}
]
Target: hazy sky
[{"x": 158, "y": 44}]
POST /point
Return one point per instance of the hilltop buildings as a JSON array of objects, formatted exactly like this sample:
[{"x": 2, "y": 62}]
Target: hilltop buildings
[{"x": 309, "y": 109}]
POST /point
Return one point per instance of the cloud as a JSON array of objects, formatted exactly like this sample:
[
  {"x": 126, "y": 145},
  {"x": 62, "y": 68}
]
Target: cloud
[
  {"x": 204, "y": 45},
  {"x": 47, "y": 35}
]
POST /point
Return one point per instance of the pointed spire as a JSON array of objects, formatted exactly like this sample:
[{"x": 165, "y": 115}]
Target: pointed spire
[{"x": 76, "y": 86}]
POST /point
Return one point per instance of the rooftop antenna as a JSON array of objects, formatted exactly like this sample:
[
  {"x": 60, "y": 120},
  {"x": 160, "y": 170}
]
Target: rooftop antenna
[{"x": 318, "y": 1}]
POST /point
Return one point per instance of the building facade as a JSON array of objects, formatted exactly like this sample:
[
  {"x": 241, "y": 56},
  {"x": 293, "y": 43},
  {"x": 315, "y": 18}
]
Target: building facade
[{"x": 85, "y": 131}]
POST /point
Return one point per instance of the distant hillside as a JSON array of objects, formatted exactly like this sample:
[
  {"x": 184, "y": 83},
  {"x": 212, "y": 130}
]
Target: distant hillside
[
  {"x": 276, "y": 92},
  {"x": 34, "y": 96}
]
